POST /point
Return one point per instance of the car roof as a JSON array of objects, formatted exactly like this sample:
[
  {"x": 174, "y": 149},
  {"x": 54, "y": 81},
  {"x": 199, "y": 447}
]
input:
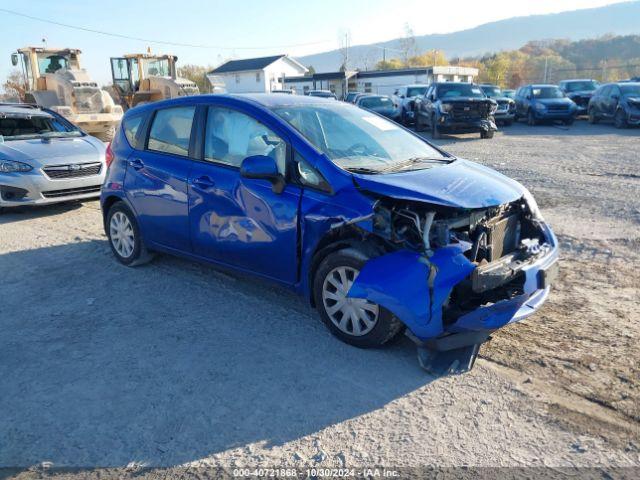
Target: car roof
[
  {"x": 453, "y": 83},
  {"x": 540, "y": 85},
  {"x": 22, "y": 109},
  {"x": 578, "y": 80}
]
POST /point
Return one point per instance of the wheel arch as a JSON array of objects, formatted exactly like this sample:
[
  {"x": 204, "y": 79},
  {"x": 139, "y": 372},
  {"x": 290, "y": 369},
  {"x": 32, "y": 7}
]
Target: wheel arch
[{"x": 343, "y": 238}]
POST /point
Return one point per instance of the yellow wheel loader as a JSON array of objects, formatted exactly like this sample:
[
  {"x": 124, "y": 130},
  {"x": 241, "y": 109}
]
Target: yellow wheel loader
[
  {"x": 142, "y": 78},
  {"x": 54, "y": 79}
]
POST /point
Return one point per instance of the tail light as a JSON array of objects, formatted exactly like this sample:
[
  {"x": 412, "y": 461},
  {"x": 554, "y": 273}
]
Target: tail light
[{"x": 108, "y": 155}]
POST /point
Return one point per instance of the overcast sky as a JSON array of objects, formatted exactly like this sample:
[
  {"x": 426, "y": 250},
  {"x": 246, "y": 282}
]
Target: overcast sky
[{"x": 242, "y": 28}]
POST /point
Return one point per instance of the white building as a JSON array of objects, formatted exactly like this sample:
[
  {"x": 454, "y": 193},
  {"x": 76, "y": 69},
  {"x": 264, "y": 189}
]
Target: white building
[
  {"x": 386, "y": 82},
  {"x": 256, "y": 75}
]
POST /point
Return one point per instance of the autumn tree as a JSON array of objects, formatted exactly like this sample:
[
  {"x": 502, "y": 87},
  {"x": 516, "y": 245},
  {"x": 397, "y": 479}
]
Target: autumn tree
[
  {"x": 197, "y": 74},
  {"x": 14, "y": 86}
]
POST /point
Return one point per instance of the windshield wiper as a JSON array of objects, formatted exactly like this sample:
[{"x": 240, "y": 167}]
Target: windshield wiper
[
  {"x": 413, "y": 161},
  {"x": 363, "y": 170}
]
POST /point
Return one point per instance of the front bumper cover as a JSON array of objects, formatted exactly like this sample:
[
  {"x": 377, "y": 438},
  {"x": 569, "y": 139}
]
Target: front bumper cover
[{"x": 415, "y": 288}]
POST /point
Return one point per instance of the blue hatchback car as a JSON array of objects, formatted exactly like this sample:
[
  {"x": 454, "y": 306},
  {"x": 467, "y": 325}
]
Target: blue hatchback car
[{"x": 382, "y": 231}]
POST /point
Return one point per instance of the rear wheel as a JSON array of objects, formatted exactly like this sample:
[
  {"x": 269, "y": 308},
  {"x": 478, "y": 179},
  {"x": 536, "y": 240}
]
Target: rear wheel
[
  {"x": 620, "y": 119},
  {"x": 124, "y": 236},
  {"x": 355, "y": 321}
]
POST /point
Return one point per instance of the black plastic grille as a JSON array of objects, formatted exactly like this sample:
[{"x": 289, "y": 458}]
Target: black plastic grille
[
  {"x": 77, "y": 170},
  {"x": 68, "y": 192}
]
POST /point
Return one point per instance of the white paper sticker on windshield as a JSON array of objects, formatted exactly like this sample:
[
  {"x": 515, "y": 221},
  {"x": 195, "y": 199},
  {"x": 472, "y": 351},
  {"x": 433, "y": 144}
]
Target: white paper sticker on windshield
[
  {"x": 380, "y": 123},
  {"x": 476, "y": 90}
]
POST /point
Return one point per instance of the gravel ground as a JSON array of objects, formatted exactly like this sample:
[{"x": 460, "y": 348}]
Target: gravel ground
[{"x": 177, "y": 363}]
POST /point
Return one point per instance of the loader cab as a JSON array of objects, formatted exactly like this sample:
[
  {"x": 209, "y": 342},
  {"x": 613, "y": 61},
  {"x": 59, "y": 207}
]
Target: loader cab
[{"x": 35, "y": 62}]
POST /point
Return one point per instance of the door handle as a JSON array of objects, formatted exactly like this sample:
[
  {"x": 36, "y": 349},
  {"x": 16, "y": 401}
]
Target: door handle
[
  {"x": 136, "y": 163},
  {"x": 203, "y": 182}
]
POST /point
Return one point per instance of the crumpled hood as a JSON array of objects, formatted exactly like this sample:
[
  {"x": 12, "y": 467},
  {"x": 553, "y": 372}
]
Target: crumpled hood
[
  {"x": 581, "y": 93},
  {"x": 56, "y": 151},
  {"x": 461, "y": 184}
]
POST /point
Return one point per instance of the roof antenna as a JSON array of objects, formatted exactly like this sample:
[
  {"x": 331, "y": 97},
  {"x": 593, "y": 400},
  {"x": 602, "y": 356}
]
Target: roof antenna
[{"x": 44, "y": 43}]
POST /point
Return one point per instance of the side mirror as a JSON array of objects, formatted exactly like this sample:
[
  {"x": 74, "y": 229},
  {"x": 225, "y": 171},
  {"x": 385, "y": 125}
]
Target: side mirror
[
  {"x": 528, "y": 97},
  {"x": 401, "y": 96},
  {"x": 14, "y": 59},
  {"x": 263, "y": 168},
  {"x": 615, "y": 97},
  {"x": 432, "y": 97}
]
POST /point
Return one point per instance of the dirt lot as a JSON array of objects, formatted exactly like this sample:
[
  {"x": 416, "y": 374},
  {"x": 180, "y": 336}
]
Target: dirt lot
[{"x": 177, "y": 363}]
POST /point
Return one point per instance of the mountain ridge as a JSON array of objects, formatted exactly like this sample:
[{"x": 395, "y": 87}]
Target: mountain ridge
[{"x": 512, "y": 33}]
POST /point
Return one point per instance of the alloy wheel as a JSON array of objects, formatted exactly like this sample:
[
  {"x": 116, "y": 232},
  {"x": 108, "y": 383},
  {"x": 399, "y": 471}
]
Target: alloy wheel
[
  {"x": 121, "y": 234},
  {"x": 353, "y": 316}
]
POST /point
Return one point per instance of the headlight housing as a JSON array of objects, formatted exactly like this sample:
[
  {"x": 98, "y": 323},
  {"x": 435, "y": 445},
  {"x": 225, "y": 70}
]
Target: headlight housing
[
  {"x": 446, "y": 107},
  {"x": 533, "y": 205},
  {"x": 540, "y": 106},
  {"x": 11, "y": 166}
]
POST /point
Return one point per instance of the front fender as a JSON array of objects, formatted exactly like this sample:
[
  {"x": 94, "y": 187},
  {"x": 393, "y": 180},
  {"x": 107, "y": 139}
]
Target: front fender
[{"x": 413, "y": 287}]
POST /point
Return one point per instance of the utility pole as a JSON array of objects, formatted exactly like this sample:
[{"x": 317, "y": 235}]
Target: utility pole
[{"x": 546, "y": 66}]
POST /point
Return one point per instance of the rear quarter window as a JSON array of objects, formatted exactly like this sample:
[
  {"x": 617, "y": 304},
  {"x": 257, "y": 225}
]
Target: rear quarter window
[{"x": 130, "y": 126}]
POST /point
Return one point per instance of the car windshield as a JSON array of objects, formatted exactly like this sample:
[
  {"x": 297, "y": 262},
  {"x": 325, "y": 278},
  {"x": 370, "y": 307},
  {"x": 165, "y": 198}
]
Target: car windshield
[
  {"x": 492, "y": 91},
  {"x": 547, "y": 92},
  {"x": 509, "y": 93},
  {"x": 459, "y": 90},
  {"x": 586, "y": 86},
  {"x": 376, "y": 102},
  {"x": 360, "y": 141},
  {"x": 321, "y": 94},
  {"x": 18, "y": 127},
  {"x": 632, "y": 89},
  {"x": 416, "y": 91}
]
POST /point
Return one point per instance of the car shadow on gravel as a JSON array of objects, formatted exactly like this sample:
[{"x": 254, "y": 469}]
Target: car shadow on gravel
[
  {"x": 103, "y": 365},
  {"x": 20, "y": 214}
]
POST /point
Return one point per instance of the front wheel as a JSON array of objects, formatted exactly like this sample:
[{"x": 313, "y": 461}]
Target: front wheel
[
  {"x": 355, "y": 321},
  {"x": 435, "y": 131},
  {"x": 486, "y": 134},
  {"x": 620, "y": 119},
  {"x": 419, "y": 126},
  {"x": 593, "y": 118},
  {"x": 124, "y": 236},
  {"x": 568, "y": 122},
  {"x": 531, "y": 119}
]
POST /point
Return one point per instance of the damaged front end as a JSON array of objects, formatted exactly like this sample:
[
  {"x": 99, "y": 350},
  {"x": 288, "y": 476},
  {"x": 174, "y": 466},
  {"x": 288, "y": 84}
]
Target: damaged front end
[{"x": 455, "y": 275}]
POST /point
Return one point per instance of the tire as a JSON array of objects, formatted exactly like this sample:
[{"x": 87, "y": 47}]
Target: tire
[
  {"x": 593, "y": 118},
  {"x": 486, "y": 135},
  {"x": 382, "y": 326},
  {"x": 568, "y": 122},
  {"x": 130, "y": 252},
  {"x": 107, "y": 135},
  {"x": 619, "y": 119},
  {"x": 531, "y": 119},
  {"x": 507, "y": 123},
  {"x": 435, "y": 131},
  {"x": 419, "y": 126}
]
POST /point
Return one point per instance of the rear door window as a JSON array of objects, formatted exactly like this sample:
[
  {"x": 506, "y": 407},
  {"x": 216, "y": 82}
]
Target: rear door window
[{"x": 171, "y": 130}]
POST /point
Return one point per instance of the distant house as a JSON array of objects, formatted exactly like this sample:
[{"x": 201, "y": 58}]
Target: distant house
[{"x": 256, "y": 75}]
